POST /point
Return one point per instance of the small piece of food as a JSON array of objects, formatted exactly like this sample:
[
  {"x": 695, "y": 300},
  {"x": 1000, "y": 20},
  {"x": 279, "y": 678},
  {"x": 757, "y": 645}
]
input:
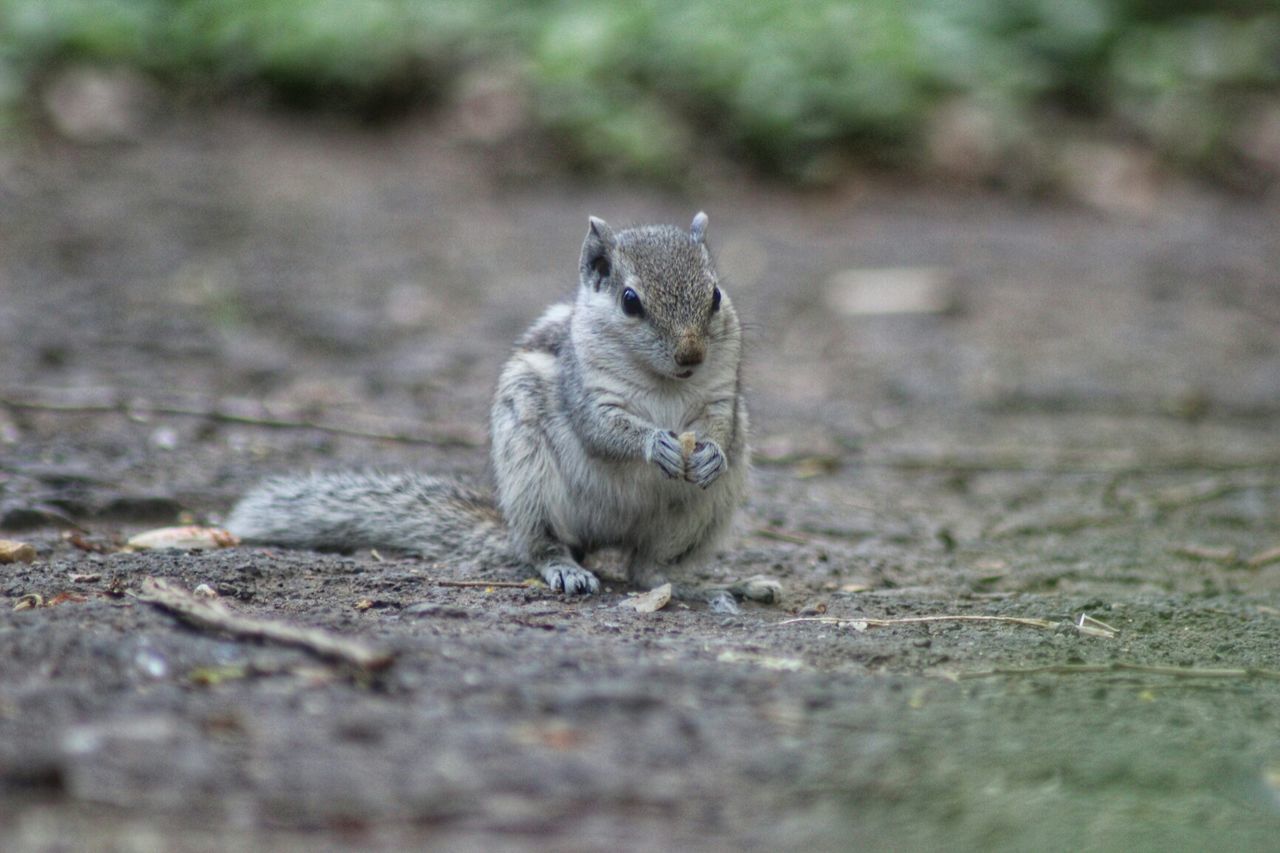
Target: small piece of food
[
  {"x": 687, "y": 442},
  {"x": 12, "y": 551},
  {"x": 188, "y": 538}
]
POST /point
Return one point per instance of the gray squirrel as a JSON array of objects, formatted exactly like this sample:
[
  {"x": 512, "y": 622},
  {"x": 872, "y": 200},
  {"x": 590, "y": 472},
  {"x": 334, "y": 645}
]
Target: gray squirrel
[{"x": 618, "y": 422}]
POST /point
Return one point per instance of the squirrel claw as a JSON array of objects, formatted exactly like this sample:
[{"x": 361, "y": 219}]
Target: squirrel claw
[
  {"x": 571, "y": 580},
  {"x": 706, "y": 464},
  {"x": 664, "y": 451}
]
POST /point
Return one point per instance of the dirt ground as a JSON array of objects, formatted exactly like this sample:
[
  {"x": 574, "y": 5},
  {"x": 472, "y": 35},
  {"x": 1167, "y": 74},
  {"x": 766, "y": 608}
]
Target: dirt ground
[{"x": 1077, "y": 415}]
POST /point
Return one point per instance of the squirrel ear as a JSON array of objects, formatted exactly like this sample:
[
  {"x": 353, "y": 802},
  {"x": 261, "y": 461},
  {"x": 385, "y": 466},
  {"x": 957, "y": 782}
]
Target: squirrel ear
[
  {"x": 698, "y": 230},
  {"x": 600, "y": 230},
  {"x": 597, "y": 250}
]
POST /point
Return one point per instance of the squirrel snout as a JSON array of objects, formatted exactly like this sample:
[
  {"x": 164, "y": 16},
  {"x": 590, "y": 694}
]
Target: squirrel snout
[{"x": 690, "y": 351}]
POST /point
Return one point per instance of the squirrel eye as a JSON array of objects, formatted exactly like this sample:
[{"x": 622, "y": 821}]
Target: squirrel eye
[
  {"x": 631, "y": 303},
  {"x": 715, "y": 299}
]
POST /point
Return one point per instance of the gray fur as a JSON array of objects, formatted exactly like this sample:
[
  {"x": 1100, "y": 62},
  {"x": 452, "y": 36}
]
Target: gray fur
[
  {"x": 584, "y": 428},
  {"x": 431, "y": 516}
]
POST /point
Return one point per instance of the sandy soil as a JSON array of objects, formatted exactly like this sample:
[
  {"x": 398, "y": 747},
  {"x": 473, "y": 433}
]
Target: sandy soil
[{"x": 1074, "y": 401}]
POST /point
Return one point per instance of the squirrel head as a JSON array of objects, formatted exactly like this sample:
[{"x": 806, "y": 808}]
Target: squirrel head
[{"x": 654, "y": 289}]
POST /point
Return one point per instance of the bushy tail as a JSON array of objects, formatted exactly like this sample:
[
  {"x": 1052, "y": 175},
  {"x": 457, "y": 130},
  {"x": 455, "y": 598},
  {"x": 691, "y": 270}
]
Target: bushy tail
[{"x": 437, "y": 518}]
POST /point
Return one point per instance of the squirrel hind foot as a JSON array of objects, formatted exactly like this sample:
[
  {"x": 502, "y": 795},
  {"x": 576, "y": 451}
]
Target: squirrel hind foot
[
  {"x": 724, "y": 599},
  {"x": 761, "y": 588}
]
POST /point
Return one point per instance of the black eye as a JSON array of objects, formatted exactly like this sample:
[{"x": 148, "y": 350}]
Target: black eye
[
  {"x": 715, "y": 299},
  {"x": 631, "y": 303}
]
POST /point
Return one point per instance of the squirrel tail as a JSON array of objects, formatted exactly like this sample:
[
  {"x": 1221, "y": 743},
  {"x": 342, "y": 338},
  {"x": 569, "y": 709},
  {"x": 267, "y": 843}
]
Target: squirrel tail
[{"x": 433, "y": 517}]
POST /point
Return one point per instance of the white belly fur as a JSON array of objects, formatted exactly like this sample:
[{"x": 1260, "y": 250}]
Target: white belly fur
[{"x": 599, "y": 503}]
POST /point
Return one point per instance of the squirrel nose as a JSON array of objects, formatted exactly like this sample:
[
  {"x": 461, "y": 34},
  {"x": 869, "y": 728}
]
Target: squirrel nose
[{"x": 690, "y": 352}]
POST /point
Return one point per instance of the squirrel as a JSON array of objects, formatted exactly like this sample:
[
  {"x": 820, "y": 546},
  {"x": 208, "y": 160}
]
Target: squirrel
[{"x": 618, "y": 422}]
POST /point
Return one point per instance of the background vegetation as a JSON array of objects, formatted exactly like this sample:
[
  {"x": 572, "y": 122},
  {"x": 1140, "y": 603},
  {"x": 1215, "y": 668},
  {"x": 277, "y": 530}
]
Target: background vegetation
[{"x": 794, "y": 87}]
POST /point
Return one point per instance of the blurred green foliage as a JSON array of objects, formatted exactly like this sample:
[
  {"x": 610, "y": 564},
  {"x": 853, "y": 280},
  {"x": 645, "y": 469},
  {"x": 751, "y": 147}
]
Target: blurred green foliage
[{"x": 634, "y": 85}]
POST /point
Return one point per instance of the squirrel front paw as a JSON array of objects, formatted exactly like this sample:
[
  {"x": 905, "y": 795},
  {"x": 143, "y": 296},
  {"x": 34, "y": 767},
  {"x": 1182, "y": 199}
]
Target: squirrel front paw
[
  {"x": 569, "y": 579},
  {"x": 706, "y": 463},
  {"x": 663, "y": 449}
]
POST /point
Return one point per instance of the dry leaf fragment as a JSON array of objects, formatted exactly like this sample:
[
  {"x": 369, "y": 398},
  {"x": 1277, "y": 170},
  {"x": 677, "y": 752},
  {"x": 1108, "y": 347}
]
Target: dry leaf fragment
[
  {"x": 890, "y": 290},
  {"x": 186, "y": 538},
  {"x": 12, "y": 551},
  {"x": 29, "y": 601},
  {"x": 653, "y": 600},
  {"x": 1091, "y": 627}
]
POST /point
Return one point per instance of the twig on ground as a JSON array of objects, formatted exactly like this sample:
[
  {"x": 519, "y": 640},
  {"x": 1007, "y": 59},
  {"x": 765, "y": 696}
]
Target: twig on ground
[
  {"x": 1264, "y": 558},
  {"x": 1075, "y": 463},
  {"x": 1225, "y": 554},
  {"x": 1061, "y": 524},
  {"x": 778, "y": 535},
  {"x": 1197, "y": 493},
  {"x": 861, "y": 623},
  {"x": 1118, "y": 667},
  {"x": 222, "y": 415},
  {"x": 213, "y": 614},
  {"x": 1229, "y": 556},
  {"x": 485, "y": 584}
]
